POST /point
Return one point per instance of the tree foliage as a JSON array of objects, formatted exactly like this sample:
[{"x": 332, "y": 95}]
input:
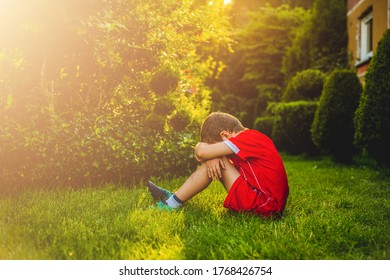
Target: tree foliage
[
  {"x": 253, "y": 72},
  {"x": 321, "y": 42},
  {"x": 297, "y": 55},
  {"x": 328, "y": 35},
  {"x": 263, "y": 42},
  {"x": 106, "y": 90}
]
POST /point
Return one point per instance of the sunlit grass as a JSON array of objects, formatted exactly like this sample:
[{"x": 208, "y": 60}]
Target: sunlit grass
[{"x": 333, "y": 212}]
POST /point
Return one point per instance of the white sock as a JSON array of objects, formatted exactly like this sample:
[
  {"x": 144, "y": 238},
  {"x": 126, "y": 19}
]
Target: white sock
[{"x": 173, "y": 202}]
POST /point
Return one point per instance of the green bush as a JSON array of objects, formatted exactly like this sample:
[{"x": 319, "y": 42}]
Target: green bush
[
  {"x": 264, "y": 125},
  {"x": 180, "y": 121},
  {"x": 305, "y": 85},
  {"x": 155, "y": 122},
  {"x": 125, "y": 106},
  {"x": 333, "y": 127},
  {"x": 164, "y": 80},
  {"x": 291, "y": 130},
  {"x": 164, "y": 106},
  {"x": 372, "y": 119},
  {"x": 129, "y": 139}
]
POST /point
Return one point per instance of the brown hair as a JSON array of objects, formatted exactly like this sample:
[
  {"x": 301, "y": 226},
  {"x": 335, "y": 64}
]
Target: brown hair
[{"x": 217, "y": 122}]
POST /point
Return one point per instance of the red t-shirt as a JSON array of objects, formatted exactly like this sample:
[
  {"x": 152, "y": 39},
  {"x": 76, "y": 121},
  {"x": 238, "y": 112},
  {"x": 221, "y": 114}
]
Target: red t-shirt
[{"x": 258, "y": 161}]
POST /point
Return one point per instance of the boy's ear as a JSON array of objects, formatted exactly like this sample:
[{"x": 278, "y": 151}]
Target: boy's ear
[{"x": 224, "y": 134}]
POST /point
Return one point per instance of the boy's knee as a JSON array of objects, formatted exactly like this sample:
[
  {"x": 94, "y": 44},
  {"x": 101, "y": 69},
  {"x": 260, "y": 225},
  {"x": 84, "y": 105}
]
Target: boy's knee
[{"x": 226, "y": 161}]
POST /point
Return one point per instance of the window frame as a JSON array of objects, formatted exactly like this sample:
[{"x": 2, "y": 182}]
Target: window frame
[{"x": 366, "y": 36}]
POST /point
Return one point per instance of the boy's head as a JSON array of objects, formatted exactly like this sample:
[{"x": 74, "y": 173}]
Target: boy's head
[{"x": 216, "y": 123}]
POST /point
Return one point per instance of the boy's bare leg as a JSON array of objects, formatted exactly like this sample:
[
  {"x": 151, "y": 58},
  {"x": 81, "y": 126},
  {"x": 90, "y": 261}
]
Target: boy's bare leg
[
  {"x": 229, "y": 174},
  {"x": 199, "y": 180}
]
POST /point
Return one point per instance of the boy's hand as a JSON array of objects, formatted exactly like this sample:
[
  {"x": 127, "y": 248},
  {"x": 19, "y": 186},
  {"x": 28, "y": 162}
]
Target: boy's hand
[{"x": 214, "y": 168}]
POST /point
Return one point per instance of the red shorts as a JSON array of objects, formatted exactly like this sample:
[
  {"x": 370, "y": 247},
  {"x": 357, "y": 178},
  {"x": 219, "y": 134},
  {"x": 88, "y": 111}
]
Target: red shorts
[{"x": 243, "y": 197}]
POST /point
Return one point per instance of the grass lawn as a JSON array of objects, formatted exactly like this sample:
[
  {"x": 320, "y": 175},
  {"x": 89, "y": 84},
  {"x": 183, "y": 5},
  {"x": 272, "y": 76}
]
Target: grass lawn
[{"x": 333, "y": 212}]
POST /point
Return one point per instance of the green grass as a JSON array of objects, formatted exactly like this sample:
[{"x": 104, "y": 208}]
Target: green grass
[{"x": 333, "y": 212}]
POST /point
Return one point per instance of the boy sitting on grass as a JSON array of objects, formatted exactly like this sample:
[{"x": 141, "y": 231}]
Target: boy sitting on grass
[{"x": 245, "y": 161}]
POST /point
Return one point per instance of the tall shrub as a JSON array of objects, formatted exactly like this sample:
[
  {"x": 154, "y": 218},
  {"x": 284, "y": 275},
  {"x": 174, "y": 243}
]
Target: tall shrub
[
  {"x": 333, "y": 127},
  {"x": 372, "y": 119}
]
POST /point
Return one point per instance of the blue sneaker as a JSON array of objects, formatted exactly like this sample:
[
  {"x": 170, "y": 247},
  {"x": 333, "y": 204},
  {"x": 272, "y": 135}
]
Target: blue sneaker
[
  {"x": 163, "y": 206},
  {"x": 158, "y": 194}
]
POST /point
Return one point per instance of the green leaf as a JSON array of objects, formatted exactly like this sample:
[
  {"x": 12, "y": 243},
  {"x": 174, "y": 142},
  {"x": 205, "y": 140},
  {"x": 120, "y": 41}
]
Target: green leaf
[
  {"x": 96, "y": 164},
  {"x": 10, "y": 101}
]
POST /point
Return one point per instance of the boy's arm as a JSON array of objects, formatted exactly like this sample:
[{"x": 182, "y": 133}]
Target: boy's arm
[{"x": 204, "y": 151}]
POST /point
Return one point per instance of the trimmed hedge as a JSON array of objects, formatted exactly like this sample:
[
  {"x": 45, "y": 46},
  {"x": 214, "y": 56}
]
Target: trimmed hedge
[
  {"x": 265, "y": 125},
  {"x": 305, "y": 85},
  {"x": 291, "y": 130},
  {"x": 372, "y": 119},
  {"x": 333, "y": 128}
]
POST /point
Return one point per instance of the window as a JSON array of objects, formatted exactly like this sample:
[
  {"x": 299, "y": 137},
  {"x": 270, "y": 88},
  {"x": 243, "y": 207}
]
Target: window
[{"x": 366, "y": 37}]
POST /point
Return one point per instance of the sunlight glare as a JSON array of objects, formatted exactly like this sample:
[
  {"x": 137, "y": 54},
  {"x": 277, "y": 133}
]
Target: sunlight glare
[
  {"x": 5, "y": 7},
  {"x": 225, "y": 2}
]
